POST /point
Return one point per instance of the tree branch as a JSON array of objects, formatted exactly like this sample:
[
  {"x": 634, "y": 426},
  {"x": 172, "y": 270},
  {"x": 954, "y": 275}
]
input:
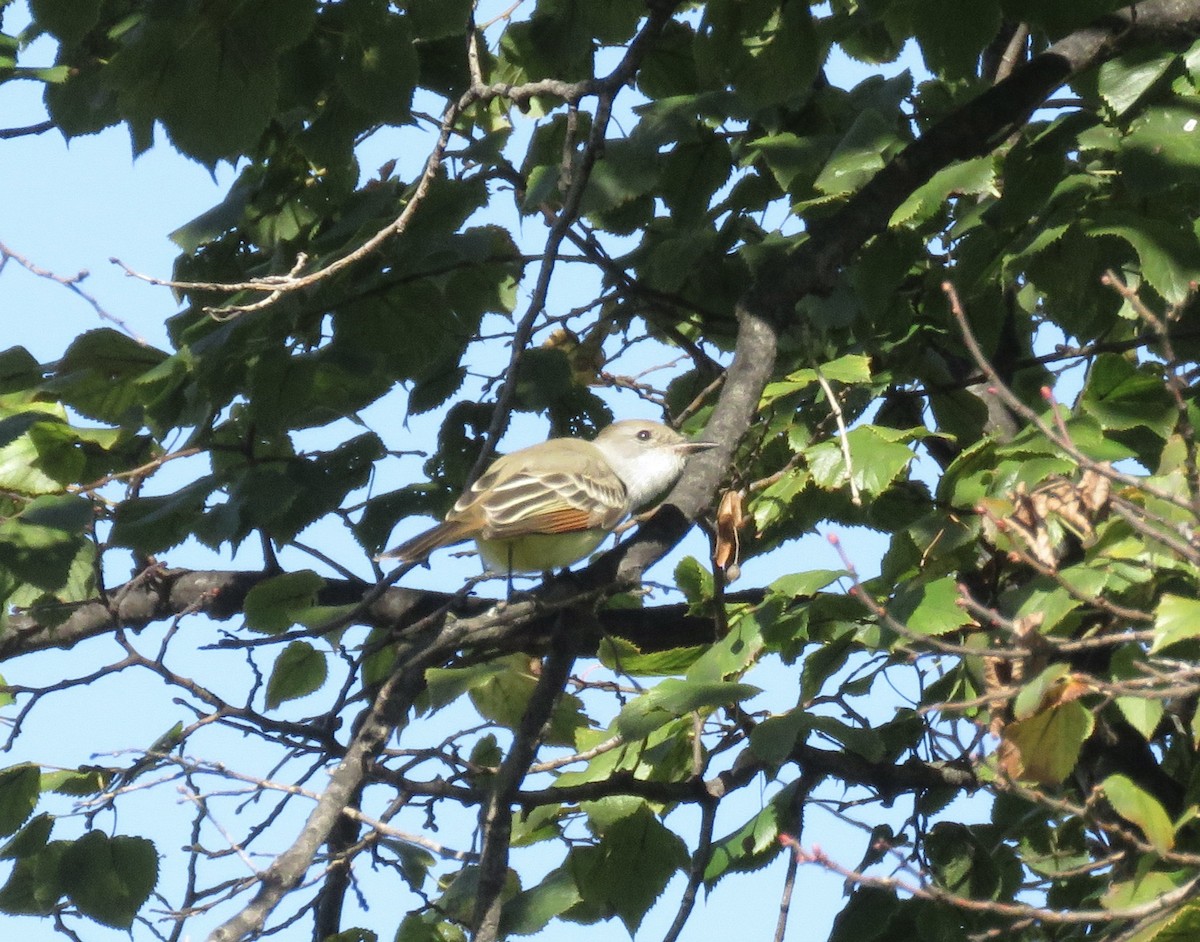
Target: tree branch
[{"x": 496, "y": 814}]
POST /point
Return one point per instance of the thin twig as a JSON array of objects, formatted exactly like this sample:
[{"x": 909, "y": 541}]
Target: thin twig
[
  {"x": 843, "y": 435},
  {"x": 72, "y": 283},
  {"x": 496, "y": 814}
]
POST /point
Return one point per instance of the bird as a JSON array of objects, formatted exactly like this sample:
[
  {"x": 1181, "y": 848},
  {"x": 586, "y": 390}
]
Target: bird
[{"x": 547, "y": 506}]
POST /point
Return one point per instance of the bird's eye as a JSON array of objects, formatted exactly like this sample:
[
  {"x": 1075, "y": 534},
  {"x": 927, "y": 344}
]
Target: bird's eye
[{"x": 643, "y": 435}]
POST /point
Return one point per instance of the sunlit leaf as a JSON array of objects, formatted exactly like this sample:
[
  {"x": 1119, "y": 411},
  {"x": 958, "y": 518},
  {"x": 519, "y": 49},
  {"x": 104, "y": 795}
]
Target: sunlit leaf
[{"x": 1136, "y": 805}]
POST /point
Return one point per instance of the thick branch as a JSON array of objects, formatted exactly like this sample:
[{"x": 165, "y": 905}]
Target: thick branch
[{"x": 170, "y": 593}]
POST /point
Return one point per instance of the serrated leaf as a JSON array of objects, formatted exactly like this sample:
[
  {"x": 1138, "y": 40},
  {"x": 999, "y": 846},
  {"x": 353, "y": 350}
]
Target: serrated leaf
[
  {"x": 1176, "y": 619},
  {"x": 154, "y": 524},
  {"x": 1141, "y": 713},
  {"x": 274, "y": 604},
  {"x": 693, "y": 580},
  {"x": 446, "y": 684},
  {"x": 1139, "y": 807},
  {"x": 1045, "y": 747},
  {"x": 19, "y": 789},
  {"x": 1142, "y": 889},
  {"x": 876, "y": 461},
  {"x": 625, "y": 658},
  {"x": 1182, "y": 925},
  {"x": 933, "y": 608},
  {"x": 866, "y": 742},
  {"x": 756, "y": 842},
  {"x": 30, "y": 840},
  {"x": 851, "y": 369},
  {"x": 1169, "y": 254},
  {"x": 774, "y": 738},
  {"x": 109, "y": 878},
  {"x": 965, "y": 178},
  {"x": 34, "y": 886},
  {"x": 85, "y": 780},
  {"x": 1124, "y": 79},
  {"x": 531, "y": 910},
  {"x": 298, "y": 671},
  {"x": 673, "y": 698},
  {"x": 805, "y": 583},
  {"x": 631, "y": 865}
]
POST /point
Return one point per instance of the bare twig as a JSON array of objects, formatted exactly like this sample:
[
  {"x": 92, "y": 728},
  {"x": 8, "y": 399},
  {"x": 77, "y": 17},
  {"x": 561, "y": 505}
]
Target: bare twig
[
  {"x": 843, "y": 436},
  {"x": 73, "y": 283}
]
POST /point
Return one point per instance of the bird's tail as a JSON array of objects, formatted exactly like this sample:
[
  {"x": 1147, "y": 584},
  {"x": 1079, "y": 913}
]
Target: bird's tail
[{"x": 421, "y": 545}]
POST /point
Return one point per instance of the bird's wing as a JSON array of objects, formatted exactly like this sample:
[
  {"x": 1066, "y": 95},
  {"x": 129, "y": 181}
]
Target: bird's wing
[{"x": 538, "y": 491}]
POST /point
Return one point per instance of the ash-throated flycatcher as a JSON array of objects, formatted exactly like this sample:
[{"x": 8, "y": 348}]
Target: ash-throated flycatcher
[{"x": 546, "y": 506}]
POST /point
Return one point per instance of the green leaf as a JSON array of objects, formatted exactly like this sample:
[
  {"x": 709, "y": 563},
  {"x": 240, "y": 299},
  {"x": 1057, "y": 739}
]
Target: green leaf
[
  {"x": 851, "y": 369},
  {"x": 531, "y": 910},
  {"x": 69, "y": 21},
  {"x": 822, "y": 662},
  {"x": 1142, "y": 714},
  {"x": 967, "y": 862},
  {"x": 631, "y": 865},
  {"x": 379, "y": 61},
  {"x": 84, "y": 780},
  {"x": 154, "y": 524},
  {"x": 1142, "y": 889},
  {"x": 20, "y": 786},
  {"x": 273, "y": 605},
  {"x": 443, "y": 685},
  {"x": 805, "y": 583},
  {"x": 749, "y": 44},
  {"x": 1176, "y": 619},
  {"x": 876, "y": 460},
  {"x": 109, "y": 878},
  {"x": 859, "y": 155},
  {"x": 866, "y": 742},
  {"x": 185, "y": 64},
  {"x": 1159, "y": 148},
  {"x": 673, "y": 698},
  {"x": 35, "y": 885},
  {"x": 965, "y": 178},
  {"x": 1046, "y": 746},
  {"x": 1182, "y": 925},
  {"x": 30, "y": 840},
  {"x": 429, "y": 926},
  {"x": 754, "y": 844},
  {"x": 773, "y": 502},
  {"x": 1138, "y": 806},
  {"x": 866, "y": 917},
  {"x": 1126, "y": 78},
  {"x": 774, "y": 738},
  {"x": 932, "y": 608},
  {"x": 298, "y": 671},
  {"x": 625, "y": 658},
  {"x": 1170, "y": 254},
  {"x": 693, "y": 580},
  {"x": 434, "y": 19},
  {"x": 97, "y": 375},
  {"x": 951, "y": 36}
]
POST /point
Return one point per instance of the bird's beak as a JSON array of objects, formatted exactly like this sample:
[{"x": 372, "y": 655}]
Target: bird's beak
[{"x": 690, "y": 448}]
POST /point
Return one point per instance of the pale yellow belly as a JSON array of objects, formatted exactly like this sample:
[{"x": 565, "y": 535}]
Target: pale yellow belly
[{"x": 539, "y": 552}]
